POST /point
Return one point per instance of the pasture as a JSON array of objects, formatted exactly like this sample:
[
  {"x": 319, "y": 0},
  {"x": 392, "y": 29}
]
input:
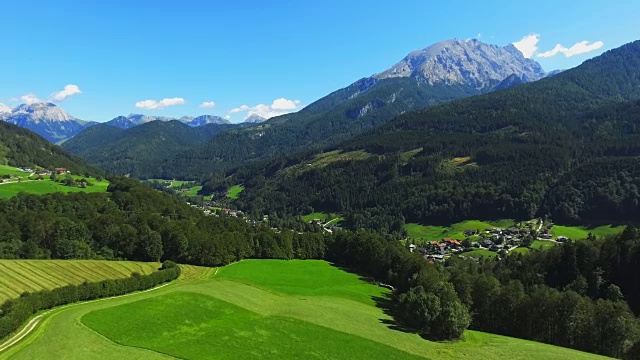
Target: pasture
[
  {"x": 255, "y": 309},
  {"x": 581, "y": 232},
  {"x": 47, "y": 186},
  {"x": 18, "y": 276}
]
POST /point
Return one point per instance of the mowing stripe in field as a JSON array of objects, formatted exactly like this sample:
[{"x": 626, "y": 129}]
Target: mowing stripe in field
[
  {"x": 23, "y": 284},
  {"x": 19, "y": 276},
  {"x": 38, "y": 277},
  {"x": 83, "y": 272}
]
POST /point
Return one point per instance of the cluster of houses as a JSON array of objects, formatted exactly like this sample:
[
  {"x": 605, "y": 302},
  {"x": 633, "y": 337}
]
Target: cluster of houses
[
  {"x": 45, "y": 172},
  {"x": 495, "y": 239}
]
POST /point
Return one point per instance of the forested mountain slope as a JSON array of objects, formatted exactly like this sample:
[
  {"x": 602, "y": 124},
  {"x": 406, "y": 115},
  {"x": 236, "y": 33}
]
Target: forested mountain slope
[
  {"x": 140, "y": 150},
  {"x": 22, "y": 148},
  {"x": 564, "y": 146},
  {"x": 443, "y": 72}
]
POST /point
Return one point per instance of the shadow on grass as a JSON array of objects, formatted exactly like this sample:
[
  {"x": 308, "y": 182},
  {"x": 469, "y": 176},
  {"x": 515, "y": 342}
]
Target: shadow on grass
[{"x": 387, "y": 304}]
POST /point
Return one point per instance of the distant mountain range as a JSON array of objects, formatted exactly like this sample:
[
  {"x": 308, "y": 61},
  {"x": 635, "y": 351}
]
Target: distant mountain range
[
  {"x": 127, "y": 122},
  {"x": 45, "y": 119},
  {"x": 54, "y": 124},
  {"x": 443, "y": 72}
]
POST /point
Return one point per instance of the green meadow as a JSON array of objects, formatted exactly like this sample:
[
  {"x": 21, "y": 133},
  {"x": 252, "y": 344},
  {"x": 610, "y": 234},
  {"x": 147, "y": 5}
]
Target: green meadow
[
  {"x": 255, "y": 309},
  {"x": 47, "y": 186},
  {"x": 10, "y": 170},
  {"x": 581, "y": 232},
  {"x": 478, "y": 253},
  {"x": 234, "y": 191}
]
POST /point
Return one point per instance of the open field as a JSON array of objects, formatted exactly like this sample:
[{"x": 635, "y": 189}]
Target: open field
[
  {"x": 18, "y": 276},
  {"x": 455, "y": 231},
  {"x": 10, "y": 170},
  {"x": 255, "y": 309},
  {"x": 581, "y": 232},
  {"x": 520, "y": 250},
  {"x": 47, "y": 186},
  {"x": 323, "y": 217},
  {"x": 542, "y": 244},
  {"x": 479, "y": 253},
  {"x": 234, "y": 191},
  {"x": 315, "y": 215},
  {"x": 193, "y": 191}
]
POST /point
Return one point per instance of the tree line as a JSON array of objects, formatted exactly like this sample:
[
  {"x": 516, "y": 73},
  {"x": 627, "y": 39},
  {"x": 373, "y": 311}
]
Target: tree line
[{"x": 15, "y": 312}]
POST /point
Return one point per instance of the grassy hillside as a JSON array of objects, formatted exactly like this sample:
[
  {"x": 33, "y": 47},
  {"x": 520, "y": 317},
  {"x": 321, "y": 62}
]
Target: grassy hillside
[
  {"x": 257, "y": 309},
  {"x": 18, "y": 276}
]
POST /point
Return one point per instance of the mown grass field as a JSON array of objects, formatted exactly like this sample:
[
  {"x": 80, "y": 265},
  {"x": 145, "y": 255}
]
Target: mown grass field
[
  {"x": 47, "y": 186},
  {"x": 581, "y": 232},
  {"x": 234, "y": 191},
  {"x": 255, "y": 309},
  {"x": 455, "y": 231},
  {"x": 18, "y": 276}
]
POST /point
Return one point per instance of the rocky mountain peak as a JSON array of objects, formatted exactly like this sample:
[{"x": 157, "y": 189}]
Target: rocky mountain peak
[{"x": 465, "y": 62}]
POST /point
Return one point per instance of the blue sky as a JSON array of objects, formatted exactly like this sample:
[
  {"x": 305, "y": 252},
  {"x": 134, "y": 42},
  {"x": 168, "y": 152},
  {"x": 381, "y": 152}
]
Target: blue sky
[{"x": 116, "y": 54}]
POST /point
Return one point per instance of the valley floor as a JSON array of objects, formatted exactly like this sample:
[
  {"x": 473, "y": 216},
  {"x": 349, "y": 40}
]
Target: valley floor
[{"x": 254, "y": 309}]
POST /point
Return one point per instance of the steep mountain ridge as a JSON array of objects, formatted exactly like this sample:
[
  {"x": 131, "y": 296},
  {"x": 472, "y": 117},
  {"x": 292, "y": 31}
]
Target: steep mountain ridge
[{"x": 466, "y": 62}]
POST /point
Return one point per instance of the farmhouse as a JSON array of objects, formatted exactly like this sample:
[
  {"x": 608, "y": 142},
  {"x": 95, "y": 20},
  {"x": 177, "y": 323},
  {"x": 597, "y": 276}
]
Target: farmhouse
[
  {"x": 451, "y": 243},
  {"x": 61, "y": 171}
]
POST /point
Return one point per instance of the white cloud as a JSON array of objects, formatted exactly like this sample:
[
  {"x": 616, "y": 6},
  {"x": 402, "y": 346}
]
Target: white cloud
[
  {"x": 528, "y": 45},
  {"x": 30, "y": 99},
  {"x": 208, "y": 104},
  {"x": 155, "y": 105},
  {"x": 239, "y": 109},
  {"x": 279, "y": 107},
  {"x": 68, "y": 90},
  {"x": 284, "y": 104},
  {"x": 582, "y": 47}
]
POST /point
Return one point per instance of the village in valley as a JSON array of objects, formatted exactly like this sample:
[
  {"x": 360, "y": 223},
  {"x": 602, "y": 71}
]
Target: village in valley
[{"x": 488, "y": 241}]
